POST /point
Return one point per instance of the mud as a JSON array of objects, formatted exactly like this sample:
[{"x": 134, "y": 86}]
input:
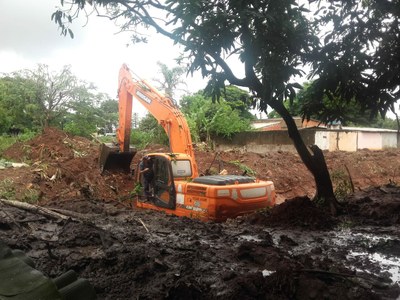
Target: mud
[
  {"x": 148, "y": 255},
  {"x": 293, "y": 251}
]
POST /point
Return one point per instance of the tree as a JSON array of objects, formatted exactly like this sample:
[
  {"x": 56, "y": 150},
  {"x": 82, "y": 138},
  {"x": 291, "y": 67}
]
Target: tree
[
  {"x": 50, "y": 92},
  {"x": 108, "y": 113},
  {"x": 15, "y": 93},
  {"x": 168, "y": 84},
  {"x": 274, "y": 40},
  {"x": 358, "y": 60},
  {"x": 171, "y": 79},
  {"x": 239, "y": 100},
  {"x": 150, "y": 126},
  {"x": 33, "y": 99},
  {"x": 208, "y": 120},
  {"x": 85, "y": 113}
]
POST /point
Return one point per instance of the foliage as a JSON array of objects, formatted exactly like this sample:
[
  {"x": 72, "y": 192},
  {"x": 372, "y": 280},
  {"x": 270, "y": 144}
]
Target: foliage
[
  {"x": 31, "y": 196},
  {"x": 355, "y": 60},
  {"x": 247, "y": 170},
  {"x": 358, "y": 58},
  {"x": 7, "y": 189},
  {"x": 342, "y": 183},
  {"x": 171, "y": 79},
  {"x": 149, "y": 125},
  {"x": 108, "y": 113},
  {"x": 15, "y": 95},
  {"x": 7, "y": 141},
  {"x": 207, "y": 119},
  {"x": 137, "y": 190},
  {"x": 381, "y": 122},
  {"x": 239, "y": 100},
  {"x": 84, "y": 115},
  {"x": 33, "y": 99},
  {"x": 148, "y": 132},
  {"x": 348, "y": 113},
  {"x": 51, "y": 93}
]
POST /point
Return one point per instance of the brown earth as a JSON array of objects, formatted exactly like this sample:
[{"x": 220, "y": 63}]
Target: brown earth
[{"x": 293, "y": 251}]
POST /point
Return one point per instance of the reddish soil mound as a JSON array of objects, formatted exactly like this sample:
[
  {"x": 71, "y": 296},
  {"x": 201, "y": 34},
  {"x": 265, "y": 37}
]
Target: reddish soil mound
[
  {"x": 51, "y": 146},
  {"x": 64, "y": 167}
]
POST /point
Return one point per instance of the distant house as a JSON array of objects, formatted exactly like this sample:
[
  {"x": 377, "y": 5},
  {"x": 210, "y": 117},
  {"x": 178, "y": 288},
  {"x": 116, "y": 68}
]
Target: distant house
[
  {"x": 279, "y": 124},
  {"x": 271, "y": 135},
  {"x": 355, "y": 138}
]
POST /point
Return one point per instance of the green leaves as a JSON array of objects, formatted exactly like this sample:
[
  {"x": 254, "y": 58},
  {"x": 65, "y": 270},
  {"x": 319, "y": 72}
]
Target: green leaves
[
  {"x": 62, "y": 19},
  {"x": 33, "y": 99},
  {"x": 224, "y": 118},
  {"x": 357, "y": 61}
]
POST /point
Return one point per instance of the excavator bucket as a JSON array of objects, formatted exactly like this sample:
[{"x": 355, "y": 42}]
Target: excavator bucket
[{"x": 112, "y": 159}]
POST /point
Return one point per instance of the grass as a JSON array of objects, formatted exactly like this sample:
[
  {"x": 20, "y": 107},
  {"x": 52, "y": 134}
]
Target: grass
[
  {"x": 7, "y": 189},
  {"x": 342, "y": 183},
  {"x": 31, "y": 196},
  {"x": 7, "y": 141},
  {"x": 243, "y": 167}
]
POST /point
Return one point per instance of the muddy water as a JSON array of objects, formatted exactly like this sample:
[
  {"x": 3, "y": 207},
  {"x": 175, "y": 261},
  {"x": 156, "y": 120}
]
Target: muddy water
[{"x": 361, "y": 249}]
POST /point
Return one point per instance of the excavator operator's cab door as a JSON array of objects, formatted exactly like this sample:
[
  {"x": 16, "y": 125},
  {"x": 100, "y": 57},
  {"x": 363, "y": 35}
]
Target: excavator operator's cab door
[{"x": 161, "y": 191}]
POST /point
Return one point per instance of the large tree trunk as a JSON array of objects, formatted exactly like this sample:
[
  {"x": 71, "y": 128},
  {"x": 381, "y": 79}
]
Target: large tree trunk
[{"x": 315, "y": 162}]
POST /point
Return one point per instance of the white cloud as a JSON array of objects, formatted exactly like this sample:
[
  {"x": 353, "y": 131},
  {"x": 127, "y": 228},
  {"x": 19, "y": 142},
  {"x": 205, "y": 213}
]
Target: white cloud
[{"x": 26, "y": 28}]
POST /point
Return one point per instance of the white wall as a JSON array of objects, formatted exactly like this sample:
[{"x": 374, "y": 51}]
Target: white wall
[{"x": 389, "y": 140}]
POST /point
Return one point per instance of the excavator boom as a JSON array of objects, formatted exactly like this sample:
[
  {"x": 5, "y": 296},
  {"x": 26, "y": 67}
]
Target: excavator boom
[{"x": 161, "y": 107}]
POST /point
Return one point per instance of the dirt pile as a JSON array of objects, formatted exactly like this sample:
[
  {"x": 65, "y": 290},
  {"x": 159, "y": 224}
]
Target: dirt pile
[
  {"x": 51, "y": 146},
  {"x": 63, "y": 167},
  {"x": 375, "y": 206},
  {"x": 298, "y": 212}
]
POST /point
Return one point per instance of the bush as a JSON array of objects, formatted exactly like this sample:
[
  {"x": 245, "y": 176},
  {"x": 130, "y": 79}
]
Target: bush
[{"x": 6, "y": 141}]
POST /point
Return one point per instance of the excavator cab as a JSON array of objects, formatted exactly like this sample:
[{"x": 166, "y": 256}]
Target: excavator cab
[
  {"x": 162, "y": 187},
  {"x": 113, "y": 159}
]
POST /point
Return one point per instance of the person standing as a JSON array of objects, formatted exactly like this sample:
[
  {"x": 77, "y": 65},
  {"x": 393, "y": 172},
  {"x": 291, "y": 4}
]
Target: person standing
[{"x": 146, "y": 170}]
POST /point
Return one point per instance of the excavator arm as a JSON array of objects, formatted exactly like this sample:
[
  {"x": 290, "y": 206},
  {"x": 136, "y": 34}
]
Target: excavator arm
[{"x": 161, "y": 107}]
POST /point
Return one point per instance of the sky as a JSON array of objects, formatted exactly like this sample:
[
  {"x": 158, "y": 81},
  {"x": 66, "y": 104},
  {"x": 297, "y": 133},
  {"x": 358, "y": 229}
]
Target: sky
[{"x": 28, "y": 37}]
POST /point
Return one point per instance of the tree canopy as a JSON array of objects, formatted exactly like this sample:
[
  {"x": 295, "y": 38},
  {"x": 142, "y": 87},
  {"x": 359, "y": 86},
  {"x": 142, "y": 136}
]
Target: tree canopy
[
  {"x": 208, "y": 119},
  {"x": 171, "y": 79},
  {"x": 34, "y": 99},
  {"x": 333, "y": 110},
  {"x": 358, "y": 58}
]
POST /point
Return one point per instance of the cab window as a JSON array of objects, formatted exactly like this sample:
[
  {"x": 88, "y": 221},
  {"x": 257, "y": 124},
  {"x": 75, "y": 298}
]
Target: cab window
[{"x": 181, "y": 168}]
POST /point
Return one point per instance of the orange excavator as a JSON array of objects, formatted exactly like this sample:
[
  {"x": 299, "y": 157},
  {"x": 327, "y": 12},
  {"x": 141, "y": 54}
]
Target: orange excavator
[{"x": 176, "y": 187}]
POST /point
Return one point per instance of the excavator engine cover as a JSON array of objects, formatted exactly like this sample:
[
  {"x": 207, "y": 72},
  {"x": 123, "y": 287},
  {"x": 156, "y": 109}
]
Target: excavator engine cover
[
  {"x": 223, "y": 179},
  {"x": 112, "y": 159}
]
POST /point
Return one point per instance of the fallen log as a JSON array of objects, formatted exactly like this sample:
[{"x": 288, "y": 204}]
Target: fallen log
[{"x": 35, "y": 209}]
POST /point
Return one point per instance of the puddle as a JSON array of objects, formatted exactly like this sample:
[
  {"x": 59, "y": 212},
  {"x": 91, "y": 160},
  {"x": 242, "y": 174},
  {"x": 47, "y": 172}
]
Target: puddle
[
  {"x": 360, "y": 249},
  {"x": 249, "y": 238},
  {"x": 386, "y": 263},
  {"x": 266, "y": 272}
]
